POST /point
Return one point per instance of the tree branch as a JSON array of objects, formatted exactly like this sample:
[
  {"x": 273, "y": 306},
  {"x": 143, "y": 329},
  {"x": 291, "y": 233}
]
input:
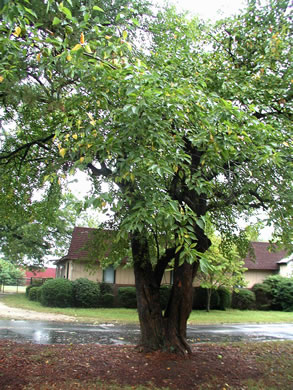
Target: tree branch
[
  {"x": 100, "y": 60},
  {"x": 26, "y": 147},
  {"x": 104, "y": 171}
]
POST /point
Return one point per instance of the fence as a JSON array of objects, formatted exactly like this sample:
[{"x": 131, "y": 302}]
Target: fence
[{"x": 19, "y": 285}]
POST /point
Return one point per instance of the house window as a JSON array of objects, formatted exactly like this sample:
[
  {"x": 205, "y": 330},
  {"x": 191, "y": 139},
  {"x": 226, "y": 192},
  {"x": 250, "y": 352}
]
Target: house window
[{"x": 109, "y": 275}]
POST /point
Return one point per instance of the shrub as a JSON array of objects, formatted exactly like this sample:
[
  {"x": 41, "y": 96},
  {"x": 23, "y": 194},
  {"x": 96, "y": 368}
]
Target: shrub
[
  {"x": 106, "y": 288},
  {"x": 127, "y": 297},
  {"x": 200, "y": 298},
  {"x": 225, "y": 297},
  {"x": 86, "y": 293},
  {"x": 106, "y": 300},
  {"x": 243, "y": 299},
  {"x": 57, "y": 293},
  {"x": 39, "y": 293},
  {"x": 273, "y": 281},
  {"x": 164, "y": 296},
  {"x": 281, "y": 291},
  {"x": 283, "y": 295},
  {"x": 35, "y": 283},
  {"x": 33, "y": 293},
  {"x": 263, "y": 296}
]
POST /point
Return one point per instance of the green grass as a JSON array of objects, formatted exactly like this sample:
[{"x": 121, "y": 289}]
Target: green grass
[
  {"x": 239, "y": 316},
  {"x": 130, "y": 315}
]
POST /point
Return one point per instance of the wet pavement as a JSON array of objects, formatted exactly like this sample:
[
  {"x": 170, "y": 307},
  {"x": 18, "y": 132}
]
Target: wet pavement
[{"x": 45, "y": 332}]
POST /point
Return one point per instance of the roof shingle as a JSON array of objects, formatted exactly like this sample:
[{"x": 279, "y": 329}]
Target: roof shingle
[{"x": 264, "y": 259}]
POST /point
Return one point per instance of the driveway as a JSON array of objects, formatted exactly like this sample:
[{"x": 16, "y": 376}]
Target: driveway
[
  {"x": 46, "y": 328},
  {"x": 46, "y": 332},
  {"x": 21, "y": 314}
]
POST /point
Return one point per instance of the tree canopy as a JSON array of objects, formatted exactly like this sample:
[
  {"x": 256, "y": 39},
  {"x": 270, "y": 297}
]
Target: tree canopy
[{"x": 189, "y": 125}]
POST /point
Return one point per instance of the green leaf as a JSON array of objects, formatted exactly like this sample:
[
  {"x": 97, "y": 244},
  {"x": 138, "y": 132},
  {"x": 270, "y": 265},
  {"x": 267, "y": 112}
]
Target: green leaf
[
  {"x": 66, "y": 12},
  {"x": 96, "y": 8},
  {"x": 30, "y": 11},
  {"x": 56, "y": 21},
  {"x": 200, "y": 223}
]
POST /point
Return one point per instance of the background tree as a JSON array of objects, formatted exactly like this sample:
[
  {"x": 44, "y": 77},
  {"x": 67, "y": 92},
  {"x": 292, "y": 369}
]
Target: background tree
[
  {"x": 222, "y": 270},
  {"x": 31, "y": 232},
  {"x": 9, "y": 273},
  {"x": 142, "y": 101}
]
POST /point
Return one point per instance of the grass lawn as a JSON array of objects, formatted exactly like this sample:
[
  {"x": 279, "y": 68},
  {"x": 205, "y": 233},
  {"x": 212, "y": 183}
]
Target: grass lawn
[
  {"x": 123, "y": 315},
  {"x": 13, "y": 289}
]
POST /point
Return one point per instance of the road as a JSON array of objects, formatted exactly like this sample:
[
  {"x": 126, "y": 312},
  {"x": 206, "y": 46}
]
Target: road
[{"x": 46, "y": 332}]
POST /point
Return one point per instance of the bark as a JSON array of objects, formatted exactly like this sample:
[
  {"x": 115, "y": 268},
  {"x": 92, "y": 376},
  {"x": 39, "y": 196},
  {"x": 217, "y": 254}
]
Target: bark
[
  {"x": 179, "y": 308},
  {"x": 209, "y": 294},
  {"x": 148, "y": 296},
  {"x": 162, "y": 331}
]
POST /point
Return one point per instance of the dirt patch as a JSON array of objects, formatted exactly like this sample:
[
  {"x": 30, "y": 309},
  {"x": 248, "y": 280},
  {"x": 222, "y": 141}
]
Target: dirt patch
[
  {"x": 40, "y": 367},
  {"x": 28, "y": 365},
  {"x": 22, "y": 314}
]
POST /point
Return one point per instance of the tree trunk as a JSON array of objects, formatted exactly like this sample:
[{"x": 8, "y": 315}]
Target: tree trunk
[
  {"x": 158, "y": 331},
  {"x": 179, "y": 308},
  {"x": 148, "y": 296},
  {"x": 164, "y": 331},
  {"x": 209, "y": 294}
]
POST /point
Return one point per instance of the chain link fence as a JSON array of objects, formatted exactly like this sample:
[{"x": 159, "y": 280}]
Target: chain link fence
[{"x": 18, "y": 285}]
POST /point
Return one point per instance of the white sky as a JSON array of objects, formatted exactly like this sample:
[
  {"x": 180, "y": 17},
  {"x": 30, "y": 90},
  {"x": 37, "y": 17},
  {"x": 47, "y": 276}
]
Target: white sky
[{"x": 209, "y": 9}]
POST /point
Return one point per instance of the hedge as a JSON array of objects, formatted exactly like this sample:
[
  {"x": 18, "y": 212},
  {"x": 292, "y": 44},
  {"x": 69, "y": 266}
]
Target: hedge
[
  {"x": 200, "y": 297},
  {"x": 243, "y": 299},
  {"x": 33, "y": 293},
  {"x": 57, "y": 293},
  {"x": 86, "y": 293},
  {"x": 263, "y": 296},
  {"x": 127, "y": 297}
]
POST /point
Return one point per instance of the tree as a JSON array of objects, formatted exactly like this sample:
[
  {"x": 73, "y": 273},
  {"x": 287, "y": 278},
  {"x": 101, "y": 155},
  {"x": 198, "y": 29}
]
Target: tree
[
  {"x": 28, "y": 232},
  {"x": 222, "y": 270},
  {"x": 9, "y": 273},
  {"x": 141, "y": 100}
]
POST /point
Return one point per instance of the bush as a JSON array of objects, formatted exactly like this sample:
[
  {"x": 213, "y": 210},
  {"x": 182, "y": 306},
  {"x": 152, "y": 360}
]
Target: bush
[
  {"x": 200, "y": 297},
  {"x": 283, "y": 295},
  {"x": 225, "y": 297},
  {"x": 86, "y": 293},
  {"x": 39, "y": 293},
  {"x": 281, "y": 291},
  {"x": 243, "y": 299},
  {"x": 263, "y": 296},
  {"x": 35, "y": 283},
  {"x": 33, "y": 293},
  {"x": 273, "y": 281},
  {"x": 127, "y": 297},
  {"x": 57, "y": 293},
  {"x": 106, "y": 288},
  {"x": 164, "y": 296},
  {"x": 106, "y": 300}
]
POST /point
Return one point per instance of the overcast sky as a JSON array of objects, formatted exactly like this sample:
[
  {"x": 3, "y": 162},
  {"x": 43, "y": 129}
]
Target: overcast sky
[{"x": 209, "y": 9}]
